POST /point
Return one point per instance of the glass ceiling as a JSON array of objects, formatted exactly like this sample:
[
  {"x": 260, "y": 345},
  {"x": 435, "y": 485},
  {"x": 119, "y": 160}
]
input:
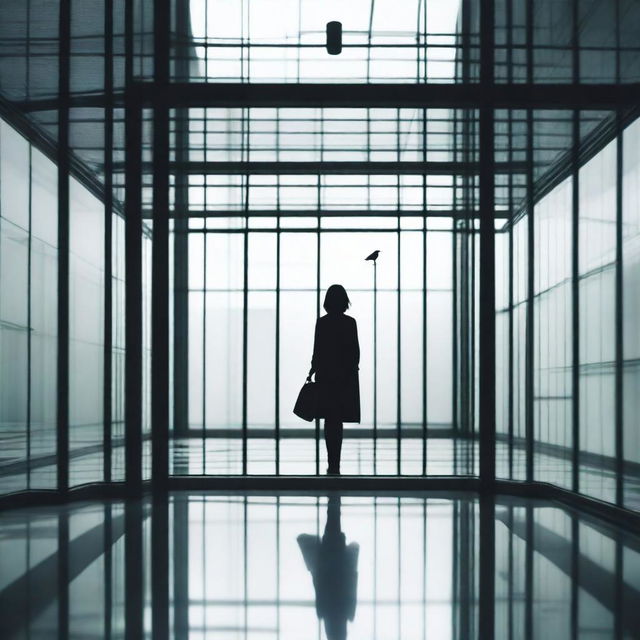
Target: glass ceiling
[{"x": 284, "y": 41}]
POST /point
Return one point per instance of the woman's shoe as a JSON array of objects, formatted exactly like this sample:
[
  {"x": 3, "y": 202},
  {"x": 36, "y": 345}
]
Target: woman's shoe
[{"x": 333, "y": 471}]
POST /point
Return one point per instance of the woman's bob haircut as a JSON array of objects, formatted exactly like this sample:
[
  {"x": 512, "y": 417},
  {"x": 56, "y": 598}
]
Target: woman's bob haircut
[{"x": 336, "y": 299}]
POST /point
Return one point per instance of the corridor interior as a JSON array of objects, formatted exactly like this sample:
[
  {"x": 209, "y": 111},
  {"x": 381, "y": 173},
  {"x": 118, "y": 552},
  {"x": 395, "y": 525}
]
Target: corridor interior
[{"x": 180, "y": 183}]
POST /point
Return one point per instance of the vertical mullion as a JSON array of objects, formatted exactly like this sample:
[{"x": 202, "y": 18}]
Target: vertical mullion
[
  {"x": 133, "y": 267},
  {"x": 245, "y": 333},
  {"x": 203, "y": 444},
  {"x": 575, "y": 261},
  {"x": 375, "y": 293},
  {"x": 529, "y": 309},
  {"x": 29, "y": 269},
  {"x": 277, "y": 336},
  {"x": 510, "y": 376},
  {"x": 64, "y": 53},
  {"x": 530, "y": 333},
  {"x": 398, "y": 314},
  {"x": 160, "y": 255},
  {"x": 575, "y": 301},
  {"x": 619, "y": 328},
  {"x": 424, "y": 294},
  {"x": 246, "y": 115},
  {"x": 318, "y": 248},
  {"x": 181, "y": 240},
  {"x": 424, "y": 269},
  {"x": 510, "y": 408},
  {"x": 277, "y": 347},
  {"x": 425, "y": 433},
  {"x": 29, "y": 316},
  {"x": 487, "y": 263},
  {"x": 205, "y": 237},
  {"x": 108, "y": 239}
]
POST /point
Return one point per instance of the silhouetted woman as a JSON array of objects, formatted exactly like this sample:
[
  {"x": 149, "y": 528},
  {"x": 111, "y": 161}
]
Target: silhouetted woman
[{"x": 336, "y": 354}]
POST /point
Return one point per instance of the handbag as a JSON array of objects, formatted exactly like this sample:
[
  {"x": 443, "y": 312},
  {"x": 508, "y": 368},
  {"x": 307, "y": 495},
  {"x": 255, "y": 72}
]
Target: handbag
[{"x": 308, "y": 403}]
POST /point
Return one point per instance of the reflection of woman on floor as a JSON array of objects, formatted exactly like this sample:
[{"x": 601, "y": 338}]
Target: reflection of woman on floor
[
  {"x": 336, "y": 354},
  {"x": 334, "y": 567}
]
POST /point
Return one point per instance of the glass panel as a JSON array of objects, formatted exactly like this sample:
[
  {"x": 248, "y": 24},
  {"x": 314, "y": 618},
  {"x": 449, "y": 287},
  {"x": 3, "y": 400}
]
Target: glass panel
[
  {"x": 553, "y": 355},
  {"x": 631, "y": 313},
  {"x": 597, "y": 241},
  {"x": 44, "y": 319},
  {"x": 86, "y": 335},
  {"x": 118, "y": 349},
  {"x": 382, "y": 42},
  {"x": 14, "y": 309}
]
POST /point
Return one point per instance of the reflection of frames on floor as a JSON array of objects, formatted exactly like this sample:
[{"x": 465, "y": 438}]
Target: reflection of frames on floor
[{"x": 250, "y": 563}]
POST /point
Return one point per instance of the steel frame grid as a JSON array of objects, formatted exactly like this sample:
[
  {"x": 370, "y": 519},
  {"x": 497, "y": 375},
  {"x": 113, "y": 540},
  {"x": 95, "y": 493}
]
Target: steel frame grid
[{"x": 629, "y": 96}]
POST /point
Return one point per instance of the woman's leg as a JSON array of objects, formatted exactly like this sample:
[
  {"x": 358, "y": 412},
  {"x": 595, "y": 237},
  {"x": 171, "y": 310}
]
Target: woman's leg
[
  {"x": 333, "y": 440},
  {"x": 330, "y": 433},
  {"x": 338, "y": 443}
]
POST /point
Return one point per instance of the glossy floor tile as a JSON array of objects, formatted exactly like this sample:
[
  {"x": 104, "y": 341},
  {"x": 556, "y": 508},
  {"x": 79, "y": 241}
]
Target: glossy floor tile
[{"x": 204, "y": 565}]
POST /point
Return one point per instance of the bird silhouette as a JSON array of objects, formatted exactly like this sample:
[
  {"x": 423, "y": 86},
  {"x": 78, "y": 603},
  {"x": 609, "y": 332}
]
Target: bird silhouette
[{"x": 374, "y": 255}]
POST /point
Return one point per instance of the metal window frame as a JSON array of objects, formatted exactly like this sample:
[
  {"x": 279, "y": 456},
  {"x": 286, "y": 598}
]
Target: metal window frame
[{"x": 485, "y": 94}]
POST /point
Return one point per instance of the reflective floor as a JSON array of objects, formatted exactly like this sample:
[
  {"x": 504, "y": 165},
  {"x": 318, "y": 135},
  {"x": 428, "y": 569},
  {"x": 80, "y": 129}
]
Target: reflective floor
[{"x": 204, "y": 565}]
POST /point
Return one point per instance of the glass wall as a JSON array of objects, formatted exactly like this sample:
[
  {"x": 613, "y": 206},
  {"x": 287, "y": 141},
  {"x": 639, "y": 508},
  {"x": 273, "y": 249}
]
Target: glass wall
[
  {"x": 606, "y": 49},
  {"x": 28, "y": 314},
  {"x": 262, "y": 250},
  {"x": 596, "y": 272},
  {"x": 146, "y": 351},
  {"x": 584, "y": 252},
  {"x": 86, "y": 336},
  {"x": 289, "y": 267},
  {"x": 29, "y": 318},
  {"x": 118, "y": 349},
  {"x": 44, "y": 320},
  {"x": 265, "y": 234},
  {"x": 552, "y": 384},
  {"x": 631, "y": 312}
]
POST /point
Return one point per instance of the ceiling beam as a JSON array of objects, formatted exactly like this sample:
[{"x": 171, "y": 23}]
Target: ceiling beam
[
  {"x": 333, "y": 168},
  {"x": 458, "y": 95},
  {"x": 330, "y": 213}
]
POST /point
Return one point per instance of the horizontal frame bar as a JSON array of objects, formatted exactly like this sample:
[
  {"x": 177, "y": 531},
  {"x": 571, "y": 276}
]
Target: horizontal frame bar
[
  {"x": 327, "y": 213},
  {"x": 330, "y": 168},
  {"x": 428, "y": 95},
  {"x": 461, "y": 95}
]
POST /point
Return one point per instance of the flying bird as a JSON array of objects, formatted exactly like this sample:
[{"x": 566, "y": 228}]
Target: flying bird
[{"x": 374, "y": 255}]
